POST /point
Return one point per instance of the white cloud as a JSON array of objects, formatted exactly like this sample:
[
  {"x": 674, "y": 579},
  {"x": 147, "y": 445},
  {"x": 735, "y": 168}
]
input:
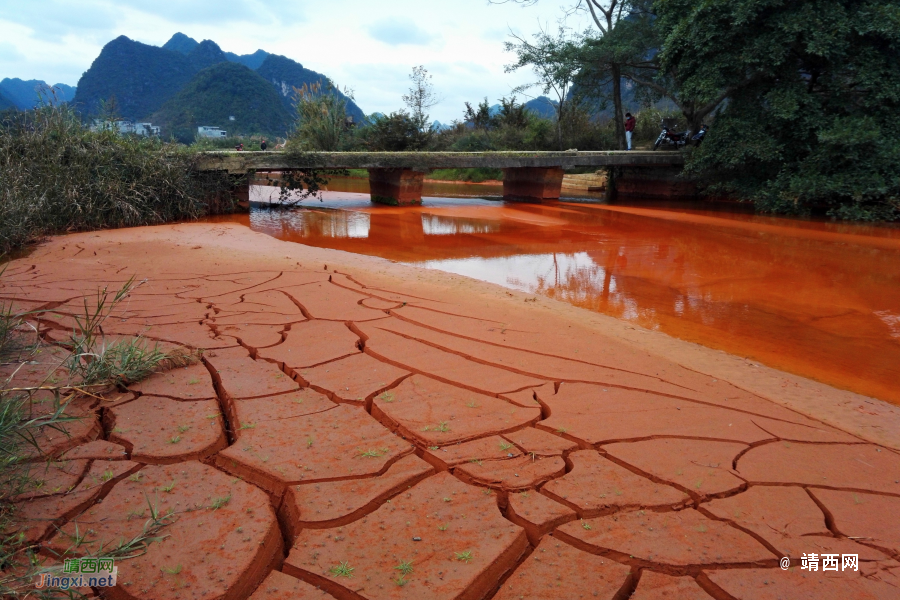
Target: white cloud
[
  {"x": 368, "y": 46},
  {"x": 395, "y": 32}
]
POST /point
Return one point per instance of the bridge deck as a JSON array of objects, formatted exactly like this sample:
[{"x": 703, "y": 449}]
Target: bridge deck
[{"x": 242, "y": 162}]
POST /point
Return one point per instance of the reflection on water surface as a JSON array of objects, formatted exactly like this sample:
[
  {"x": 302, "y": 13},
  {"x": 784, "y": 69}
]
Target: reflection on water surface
[{"x": 818, "y": 299}]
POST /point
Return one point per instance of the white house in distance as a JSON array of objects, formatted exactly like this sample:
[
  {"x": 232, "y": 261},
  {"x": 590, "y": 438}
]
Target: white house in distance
[
  {"x": 125, "y": 127},
  {"x": 211, "y": 132}
]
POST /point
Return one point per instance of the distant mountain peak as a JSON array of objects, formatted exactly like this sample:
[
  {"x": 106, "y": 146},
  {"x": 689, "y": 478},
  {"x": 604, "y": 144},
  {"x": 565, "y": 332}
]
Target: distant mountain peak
[
  {"x": 25, "y": 95},
  {"x": 181, "y": 43},
  {"x": 206, "y": 54}
]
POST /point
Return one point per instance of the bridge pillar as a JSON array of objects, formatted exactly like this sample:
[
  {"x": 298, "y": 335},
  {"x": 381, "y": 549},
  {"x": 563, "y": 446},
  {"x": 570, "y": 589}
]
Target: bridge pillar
[
  {"x": 532, "y": 184},
  {"x": 658, "y": 182},
  {"x": 396, "y": 186}
]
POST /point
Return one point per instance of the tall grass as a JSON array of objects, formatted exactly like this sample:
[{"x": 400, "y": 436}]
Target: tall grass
[
  {"x": 95, "y": 363},
  {"x": 58, "y": 176},
  {"x": 321, "y": 118}
]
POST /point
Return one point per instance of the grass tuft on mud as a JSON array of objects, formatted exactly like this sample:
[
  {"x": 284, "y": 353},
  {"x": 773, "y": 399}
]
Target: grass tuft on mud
[{"x": 57, "y": 176}]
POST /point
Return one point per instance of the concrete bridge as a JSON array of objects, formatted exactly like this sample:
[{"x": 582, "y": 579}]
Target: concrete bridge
[{"x": 397, "y": 177}]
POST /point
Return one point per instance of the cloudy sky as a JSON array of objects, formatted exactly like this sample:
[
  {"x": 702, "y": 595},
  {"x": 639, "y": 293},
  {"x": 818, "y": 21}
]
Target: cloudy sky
[{"x": 369, "y": 46}]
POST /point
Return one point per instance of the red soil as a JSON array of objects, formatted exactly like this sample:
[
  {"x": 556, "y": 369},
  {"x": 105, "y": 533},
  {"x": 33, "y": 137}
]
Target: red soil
[
  {"x": 413, "y": 434},
  {"x": 557, "y": 571},
  {"x": 162, "y": 430}
]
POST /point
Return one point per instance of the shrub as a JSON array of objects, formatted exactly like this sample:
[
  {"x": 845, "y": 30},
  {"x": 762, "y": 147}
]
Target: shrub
[{"x": 58, "y": 176}]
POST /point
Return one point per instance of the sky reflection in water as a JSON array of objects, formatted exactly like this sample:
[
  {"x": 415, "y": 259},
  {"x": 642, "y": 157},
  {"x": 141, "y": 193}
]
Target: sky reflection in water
[{"x": 818, "y": 299}]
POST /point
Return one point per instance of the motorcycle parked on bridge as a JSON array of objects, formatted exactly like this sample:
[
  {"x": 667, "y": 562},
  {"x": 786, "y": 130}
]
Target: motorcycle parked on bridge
[{"x": 679, "y": 139}]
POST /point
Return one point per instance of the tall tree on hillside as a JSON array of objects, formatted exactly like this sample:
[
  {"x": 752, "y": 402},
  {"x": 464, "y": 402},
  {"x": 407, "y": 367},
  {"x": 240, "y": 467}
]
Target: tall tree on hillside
[
  {"x": 606, "y": 62},
  {"x": 555, "y": 62},
  {"x": 813, "y": 96}
]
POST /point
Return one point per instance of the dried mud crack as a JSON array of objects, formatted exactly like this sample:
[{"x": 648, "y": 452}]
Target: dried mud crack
[{"x": 351, "y": 435}]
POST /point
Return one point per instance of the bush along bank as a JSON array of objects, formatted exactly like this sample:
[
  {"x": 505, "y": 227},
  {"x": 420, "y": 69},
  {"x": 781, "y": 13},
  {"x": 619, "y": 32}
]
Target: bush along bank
[{"x": 56, "y": 176}]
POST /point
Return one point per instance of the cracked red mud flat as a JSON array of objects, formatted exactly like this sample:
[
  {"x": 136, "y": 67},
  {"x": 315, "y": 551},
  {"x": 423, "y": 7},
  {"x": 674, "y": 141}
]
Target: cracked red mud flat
[
  {"x": 221, "y": 543},
  {"x": 40, "y": 516},
  {"x": 162, "y": 430},
  {"x": 861, "y": 516},
  {"x": 764, "y": 584},
  {"x": 340, "y": 443},
  {"x": 596, "y": 485},
  {"x": 524, "y": 472},
  {"x": 464, "y": 560},
  {"x": 656, "y": 586},
  {"x": 278, "y": 586},
  {"x": 333, "y": 503},
  {"x": 435, "y": 413},
  {"x": 414, "y": 443},
  {"x": 352, "y": 379},
  {"x": 184, "y": 383},
  {"x": 422, "y": 358},
  {"x": 246, "y": 414},
  {"x": 312, "y": 343},
  {"x": 790, "y": 521},
  {"x": 252, "y": 336},
  {"x": 860, "y": 467},
  {"x": 239, "y": 376},
  {"x": 679, "y": 538},
  {"x": 699, "y": 467},
  {"x": 486, "y": 448},
  {"x": 598, "y": 414},
  {"x": 557, "y": 571},
  {"x": 537, "y": 513}
]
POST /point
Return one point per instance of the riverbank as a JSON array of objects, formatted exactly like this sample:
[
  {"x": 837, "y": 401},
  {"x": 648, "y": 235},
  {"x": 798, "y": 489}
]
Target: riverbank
[{"x": 389, "y": 415}]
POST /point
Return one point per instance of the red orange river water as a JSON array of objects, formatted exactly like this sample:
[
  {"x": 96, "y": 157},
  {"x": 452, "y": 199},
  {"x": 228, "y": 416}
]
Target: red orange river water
[{"x": 818, "y": 299}]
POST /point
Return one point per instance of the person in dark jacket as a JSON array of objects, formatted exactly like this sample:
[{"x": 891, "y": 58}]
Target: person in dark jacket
[
  {"x": 263, "y": 145},
  {"x": 630, "y": 122}
]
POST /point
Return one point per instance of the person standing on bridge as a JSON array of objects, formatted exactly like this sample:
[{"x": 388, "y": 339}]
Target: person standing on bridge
[{"x": 630, "y": 122}]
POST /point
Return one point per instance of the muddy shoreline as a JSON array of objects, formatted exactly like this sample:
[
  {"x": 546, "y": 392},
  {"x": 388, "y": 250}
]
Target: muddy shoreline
[{"x": 376, "y": 430}]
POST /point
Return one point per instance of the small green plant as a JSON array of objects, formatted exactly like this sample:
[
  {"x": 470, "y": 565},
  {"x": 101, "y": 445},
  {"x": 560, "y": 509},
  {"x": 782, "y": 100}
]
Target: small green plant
[
  {"x": 586, "y": 526},
  {"x": 309, "y": 442},
  {"x": 168, "y": 488},
  {"x": 183, "y": 428},
  {"x": 442, "y": 427},
  {"x": 372, "y": 453},
  {"x": 400, "y": 581},
  {"x": 171, "y": 570},
  {"x": 175, "y": 439},
  {"x": 405, "y": 567},
  {"x": 248, "y": 426},
  {"x": 504, "y": 446},
  {"x": 107, "y": 475},
  {"x": 136, "y": 477},
  {"x": 342, "y": 570},
  {"x": 219, "y": 502},
  {"x": 386, "y": 397},
  {"x": 442, "y": 527},
  {"x": 472, "y": 404},
  {"x": 465, "y": 556}
]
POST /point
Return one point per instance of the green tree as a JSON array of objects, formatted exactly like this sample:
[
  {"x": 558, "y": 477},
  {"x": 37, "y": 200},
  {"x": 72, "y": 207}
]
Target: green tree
[
  {"x": 604, "y": 61},
  {"x": 421, "y": 97},
  {"x": 480, "y": 117},
  {"x": 813, "y": 95},
  {"x": 396, "y": 132},
  {"x": 321, "y": 118},
  {"x": 554, "y": 59}
]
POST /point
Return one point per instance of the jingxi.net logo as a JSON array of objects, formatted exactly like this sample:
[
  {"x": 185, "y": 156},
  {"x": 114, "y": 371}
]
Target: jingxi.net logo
[{"x": 80, "y": 572}]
